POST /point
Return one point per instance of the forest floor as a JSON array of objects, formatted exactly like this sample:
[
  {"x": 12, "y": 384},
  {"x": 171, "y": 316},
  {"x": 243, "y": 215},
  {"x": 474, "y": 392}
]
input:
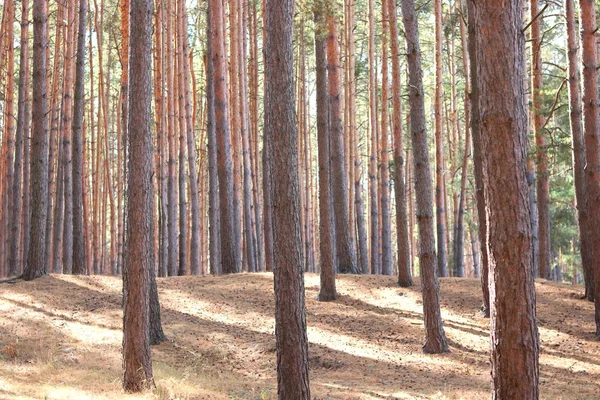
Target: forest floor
[{"x": 61, "y": 339}]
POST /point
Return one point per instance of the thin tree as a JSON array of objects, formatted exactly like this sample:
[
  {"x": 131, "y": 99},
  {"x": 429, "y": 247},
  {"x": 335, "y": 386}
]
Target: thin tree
[
  {"x": 213, "y": 179},
  {"x": 327, "y": 290},
  {"x": 440, "y": 194},
  {"x": 435, "y": 339},
  {"x": 591, "y": 136},
  {"x": 404, "y": 272},
  {"x": 579, "y": 147},
  {"x": 543, "y": 185},
  {"x": 230, "y": 255},
  {"x": 375, "y": 259},
  {"x": 281, "y": 138},
  {"x": 36, "y": 263},
  {"x": 346, "y": 256},
  {"x": 478, "y": 160},
  {"x": 15, "y": 264},
  {"x": 139, "y": 252},
  {"x": 78, "y": 175},
  {"x": 501, "y": 79},
  {"x": 384, "y": 172}
]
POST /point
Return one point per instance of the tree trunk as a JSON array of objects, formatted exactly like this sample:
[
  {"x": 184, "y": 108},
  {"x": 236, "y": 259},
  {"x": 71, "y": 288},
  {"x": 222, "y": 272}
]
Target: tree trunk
[
  {"x": 191, "y": 147},
  {"x": 213, "y": 195},
  {"x": 478, "y": 160},
  {"x": 281, "y": 143},
  {"x": 375, "y": 259},
  {"x": 384, "y": 172},
  {"x": 78, "y": 143},
  {"x": 435, "y": 339},
  {"x": 15, "y": 264},
  {"x": 579, "y": 147},
  {"x": 326, "y": 228},
  {"x": 230, "y": 255},
  {"x": 440, "y": 194},
  {"x": 36, "y": 263},
  {"x": 139, "y": 249},
  {"x": 404, "y": 273},
  {"x": 346, "y": 257},
  {"x": 592, "y": 151},
  {"x": 67, "y": 126},
  {"x": 500, "y": 76},
  {"x": 543, "y": 186}
]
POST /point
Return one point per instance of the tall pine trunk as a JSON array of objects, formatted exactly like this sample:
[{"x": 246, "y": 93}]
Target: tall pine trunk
[
  {"x": 435, "y": 339},
  {"x": 500, "y": 76},
  {"x": 36, "y": 263}
]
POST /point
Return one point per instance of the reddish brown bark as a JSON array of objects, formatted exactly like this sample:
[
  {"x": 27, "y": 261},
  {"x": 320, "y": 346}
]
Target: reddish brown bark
[
  {"x": 591, "y": 137},
  {"x": 501, "y": 79},
  {"x": 579, "y": 161}
]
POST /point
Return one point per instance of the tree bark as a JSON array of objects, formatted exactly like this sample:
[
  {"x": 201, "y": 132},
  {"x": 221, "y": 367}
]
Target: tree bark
[
  {"x": 384, "y": 172},
  {"x": 591, "y": 137},
  {"x": 230, "y": 255},
  {"x": 579, "y": 147},
  {"x": 500, "y": 73},
  {"x": 375, "y": 259},
  {"x": 478, "y": 159},
  {"x": 15, "y": 264},
  {"x": 404, "y": 273},
  {"x": 435, "y": 339},
  {"x": 139, "y": 249},
  {"x": 36, "y": 263},
  {"x": 543, "y": 185},
  {"x": 346, "y": 257},
  {"x": 79, "y": 259},
  {"x": 327, "y": 290},
  {"x": 281, "y": 143},
  {"x": 442, "y": 261}
]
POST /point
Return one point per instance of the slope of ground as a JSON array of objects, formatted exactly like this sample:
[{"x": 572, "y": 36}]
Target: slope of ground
[{"x": 60, "y": 338}]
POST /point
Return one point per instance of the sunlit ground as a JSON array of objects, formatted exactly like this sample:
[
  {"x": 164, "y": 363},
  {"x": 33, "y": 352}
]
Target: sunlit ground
[{"x": 61, "y": 336}]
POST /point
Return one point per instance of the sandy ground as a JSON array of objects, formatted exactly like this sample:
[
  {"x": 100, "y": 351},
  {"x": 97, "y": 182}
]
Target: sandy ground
[{"x": 366, "y": 345}]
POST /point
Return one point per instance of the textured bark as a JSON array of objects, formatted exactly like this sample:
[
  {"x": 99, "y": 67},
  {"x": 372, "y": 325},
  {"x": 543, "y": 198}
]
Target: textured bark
[
  {"x": 182, "y": 266},
  {"x": 249, "y": 231},
  {"x": 54, "y": 127},
  {"x": 384, "y": 172},
  {"x": 543, "y": 184},
  {"x": 36, "y": 263},
  {"x": 440, "y": 194},
  {"x": 327, "y": 290},
  {"x": 576, "y": 115},
  {"x": 139, "y": 248},
  {"x": 435, "y": 339},
  {"x": 404, "y": 272},
  {"x": 281, "y": 142},
  {"x": 213, "y": 180},
  {"x": 15, "y": 264},
  {"x": 591, "y": 137},
  {"x": 8, "y": 132},
  {"x": 230, "y": 255},
  {"x": 79, "y": 263},
  {"x": 172, "y": 152},
  {"x": 124, "y": 80},
  {"x": 346, "y": 256},
  {"x": 191, "y": 146},
  {"x": 500, "y": 74},
  {"x": 478, "y": 160},
  {"x": 375, "y": 259},
  {"x": 67, "y": 126},
  {"x": 459, "y": 231}
]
